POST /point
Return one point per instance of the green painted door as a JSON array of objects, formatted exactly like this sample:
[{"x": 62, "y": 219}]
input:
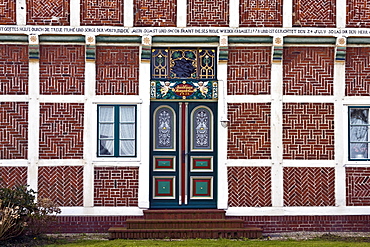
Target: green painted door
[{"x": 183, "y": 168}]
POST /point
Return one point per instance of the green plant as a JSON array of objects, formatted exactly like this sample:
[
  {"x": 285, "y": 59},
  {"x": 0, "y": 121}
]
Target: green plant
[{"x": 16, "y": 204}]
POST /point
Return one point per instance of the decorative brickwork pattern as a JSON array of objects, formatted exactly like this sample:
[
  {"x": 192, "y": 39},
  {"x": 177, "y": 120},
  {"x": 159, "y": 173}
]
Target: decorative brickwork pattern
[
  {"x": 61, "y": 130},
  {"x": 101, "y": 13},
  {"x": 13, "y": 130},
  {"x": 117, "y": 69},
  {"x": 48, "y": 12},
  {"x": 358, "y": 13},
  {"x": 149, "y": 13},
  {"x": 358, "y": 186},
  {"x": 314, "y": 13},
  {"x": 208, "y": 13},
  {"x": 308, "y": 131},
  {"x": 62, "y": 184},
  {"x": 8, "y": 12},
  {"x": 249, "y": 131},
  {"x": 116, "y": 186},
  {"x": 308, "y": 70},
  {"x": 62, "y": 69},
  {"x": 309, "y": 186},
  {"x": 12, "y": 176},
  {"x": 357, "y": 71},
  {"x": 249, "y": 70},
  {"x": 249, "y": 186},
  {"x": 13, "y": 69},
  {"x": 262, "y": 13}
]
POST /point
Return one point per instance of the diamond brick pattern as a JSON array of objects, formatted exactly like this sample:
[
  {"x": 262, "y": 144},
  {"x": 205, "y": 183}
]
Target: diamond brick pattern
[
  {"x": 262, "y": 13},
  {"x": 13, "y": 130},
  {"x": 61, "y": 130},
  {"x": 358, "y": 13},
  {"x": 357, "y": 71},
  {"x": 8, "y": 12},
  {"x": 102, "y": 13},
  {"x": 208, "y": 13},
  {"x": 249, "y": 186},
  {"x": 48, "y": 12},
  {"x": 62, "y": 69},
  {"x": 149, "y": 13},
  {"x": 314, "y": 13},
  {"x": 116, "y": 186},
  {"x": 14, "y": 69},
  {"x": 249, "y": 131},
  {"x": 308, "y": 131},
  {"x": 308, "y": 70},
  {"x": 358, "y": 186},
  {"x": 249, "y": 70},
  {"x": 117, "y": 70},
  {"x": 309, "y": 186},
  {"x": 12, "y": 176},
  {"x": 62, "y": 184}
]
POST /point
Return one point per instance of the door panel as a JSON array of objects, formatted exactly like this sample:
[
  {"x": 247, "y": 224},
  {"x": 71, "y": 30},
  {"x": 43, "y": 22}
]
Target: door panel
[{"x": 183, "y": 165}]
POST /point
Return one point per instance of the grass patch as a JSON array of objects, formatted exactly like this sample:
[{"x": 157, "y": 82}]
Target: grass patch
[{"x": 211, "y": 242}]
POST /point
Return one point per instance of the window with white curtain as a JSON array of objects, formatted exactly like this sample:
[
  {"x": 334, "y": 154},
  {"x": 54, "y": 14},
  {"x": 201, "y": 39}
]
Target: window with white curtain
[
  {"x": 117, "y": 130},
  {"x": 359, "y": 133}
]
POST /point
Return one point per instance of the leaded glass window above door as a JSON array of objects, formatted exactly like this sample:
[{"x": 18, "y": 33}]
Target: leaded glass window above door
[{"x": 184, "y": 63}]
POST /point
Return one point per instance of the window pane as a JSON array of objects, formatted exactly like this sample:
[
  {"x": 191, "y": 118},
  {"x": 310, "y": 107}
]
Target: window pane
[
  {"x": 127, "y": 114},
  {"x": 106, "y": 131},
  {"x": 106, "y": 114},
  {"x": 127, "y": 131},
  {"x": 359, "y": 150},
  {"x": 358, "y": 133},
  {"x": 106, "y": 147},
  {"x": 127, "y": 148}
]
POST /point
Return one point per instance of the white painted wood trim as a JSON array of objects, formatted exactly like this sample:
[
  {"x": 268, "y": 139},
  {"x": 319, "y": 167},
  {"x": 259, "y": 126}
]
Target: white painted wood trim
[
  {"x": 234, "y": 13},
  {"x": 128, "y": 13},
  {"x": 181, "y": 13},
  {"x": 75, "y": 11},
  {"x": 21, "y": 12}
]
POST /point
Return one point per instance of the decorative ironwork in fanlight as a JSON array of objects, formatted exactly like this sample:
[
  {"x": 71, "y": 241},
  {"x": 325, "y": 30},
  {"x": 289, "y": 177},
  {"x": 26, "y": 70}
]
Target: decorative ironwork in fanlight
[
  {"x": 201, "y": 129},
  {"x": 190, "y": 63},
  {"x": 186, "y": 73},
  {"x": 164, "y": 128}
]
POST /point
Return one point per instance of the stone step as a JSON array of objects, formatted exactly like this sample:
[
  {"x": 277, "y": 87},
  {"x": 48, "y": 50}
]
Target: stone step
[
  {"x": 233, "y": 233},
  {"x": 184, "y": 214},
  {"x": 183, "y": 223}
]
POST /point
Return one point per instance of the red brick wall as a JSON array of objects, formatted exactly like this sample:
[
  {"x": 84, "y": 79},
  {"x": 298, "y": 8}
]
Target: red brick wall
[
  {"x": 101, "y": 13},
  {"x": 62, "y": 184},
  {"x": 314, "y": 223},
  {"x": 249, "y": 70},
  {"x": 249, "y": 131},
  {"x": 117, "y": 70},
  {"x": 8, "y": 12},
  {"x": 249, "y": 186},
  {"x": 61, "y": 130},
  {"x": 265, "y": 13},
  {"x": 308, "y": 70},
  {"x": 13, "y": 69},
  {"x": 358, "y": 186},
  {"x": 48, "y": 12},
  {"x": 149, "y": 13},
  {"x": 13, "y": 130},
  {"x": 357, "y": 71},
  {"x": 269, "y": 224},
  {"x": 308, "y": 131},
  {"x": 358, "y": 13},
  {"x": 309, "y": 186},
  {"x": 62, "y": 69},
  {"x": 208, "y": 13},
  {"x": 314, "y": 13},
  {"x": 12, "y": 176},
  {"x": 116, "y": 186}
]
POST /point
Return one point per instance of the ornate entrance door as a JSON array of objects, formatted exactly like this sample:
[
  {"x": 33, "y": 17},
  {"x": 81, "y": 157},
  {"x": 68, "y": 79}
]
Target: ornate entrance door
[{"x": 183, "y": 155}]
